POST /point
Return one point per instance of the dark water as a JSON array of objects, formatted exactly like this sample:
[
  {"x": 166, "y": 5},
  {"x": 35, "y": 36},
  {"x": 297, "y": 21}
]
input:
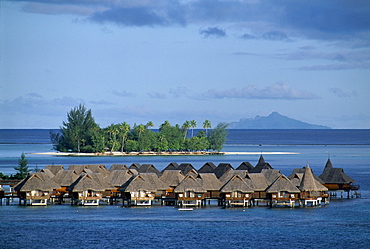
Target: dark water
[{"x": 341, "y": 224}]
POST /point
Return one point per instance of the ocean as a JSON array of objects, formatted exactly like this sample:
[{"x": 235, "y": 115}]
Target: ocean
[{"x": 344, "y": 223}]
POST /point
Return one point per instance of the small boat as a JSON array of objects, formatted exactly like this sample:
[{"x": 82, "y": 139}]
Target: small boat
[{"x": 185, "y": 209}]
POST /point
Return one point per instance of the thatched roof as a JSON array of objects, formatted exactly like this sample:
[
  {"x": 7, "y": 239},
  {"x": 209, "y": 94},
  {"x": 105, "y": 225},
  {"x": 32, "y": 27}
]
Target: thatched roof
[
  {"x": 77, "y": 168},
  {"x": 222, "y": 168},
  {"x": 118, "y": 166},
  {"x": 189, "y": 184},
  {"x": 65, "y": 177},
  {"x": 260, "y": 166},
  {"x": 118, "y": 177},
  {"x": 36, "y": 181},
  {"x": 153, "y": 178},
  {"x": 148, "y": 168},
  {"x": 300, "y": 173},
  {"x": 309, "y": 182},
  {"x": 85, "y": 182},
  {"x": 48, "y": 172},
  {"x": 209, "y": 181},
  {"x": 135, "y": 166},
  {"x": 171, "y": 166},
  {"x": 145, "y": 181},
  {"x": 296, "y": 178},
  {"x": 208, "y": 167},
  {"x": 186, "y": 167},
  {"x": 335, "y": 175},
  {"x": 230, "y": 173},
  {"x": 245, "y": 166},
  {"x": 271, "y": 174},
  {"x": 193, "y": 173},
  {"x": 54, "y": 168},
  {"x": 99, "y": 178},
  {"x": 172, "y": 177},
  {"x": 137, "y": 183},
  {"x": 236, "y": 183},
  {"x": 259, "y": 181},
  {"x": 282, "y": 183},
  {"x": 98, "y": 168}
]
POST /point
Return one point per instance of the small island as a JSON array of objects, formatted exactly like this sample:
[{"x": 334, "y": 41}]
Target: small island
[{"x": 81, "y": 135}]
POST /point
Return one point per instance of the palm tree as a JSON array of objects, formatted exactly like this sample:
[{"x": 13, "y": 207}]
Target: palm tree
[
  {"x": 193, "y": 124},
  {"x": 165, "y": 124},
  {"x": 141, "y": 128},
  {"x": 207, "y": 125},
  {"x": 150, "y": 124},
  {"x": 186, "y": 126},
  {"x": 113, "y": 130},
  {"x": 124, "y": 128}
]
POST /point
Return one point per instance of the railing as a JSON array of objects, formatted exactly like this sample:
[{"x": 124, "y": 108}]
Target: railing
[
  {"x": 147, "y": 198},
  {"x": 189, "y": 198},
  {"x": 35, "y": 197},
  {"x": 88, "y": 198}
]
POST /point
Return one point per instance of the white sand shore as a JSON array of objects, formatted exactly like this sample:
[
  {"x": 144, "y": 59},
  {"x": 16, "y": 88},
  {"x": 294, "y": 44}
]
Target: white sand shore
[{"x": 158, "y": 154}]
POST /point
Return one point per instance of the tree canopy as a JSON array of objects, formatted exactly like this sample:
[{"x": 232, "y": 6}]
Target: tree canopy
[
  {"x": 22, "y": 170},
  {"x": 80, "y": 133}
]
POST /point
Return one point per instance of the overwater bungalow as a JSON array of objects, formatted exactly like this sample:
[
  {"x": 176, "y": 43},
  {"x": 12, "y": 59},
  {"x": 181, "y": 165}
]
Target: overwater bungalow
[
  {"x": 189, "y": 192},
  {"x": 141, "y": 189},
  {"x": 116, "y": 179},
  {"x": 208, "y": 167},
  {"x": 64, "y": 178},
  {"x": 172, "y": 178},
  {"x": 282, "y": 192},
  {"x": 36, "y": 189},
  {"x": 337, "y": 181},
  {"x": 259, "y": 184},
  {"x": 86, "y": 190},
  {"x": 312, "y": 192},
  {"x": 236, "y": 192},
  {"x": 212, "y": 185}
]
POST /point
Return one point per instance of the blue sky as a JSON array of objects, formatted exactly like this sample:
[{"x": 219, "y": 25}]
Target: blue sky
[{"x": 157, "y": 60}]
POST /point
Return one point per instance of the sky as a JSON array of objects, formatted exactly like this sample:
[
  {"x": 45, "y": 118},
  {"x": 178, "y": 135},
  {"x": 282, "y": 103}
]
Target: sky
[{"x": 156, "y": 60}]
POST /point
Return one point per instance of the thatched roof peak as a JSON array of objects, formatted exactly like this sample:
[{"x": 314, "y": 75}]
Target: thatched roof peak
[
  {"x": 236, "y": 183},
  {"x": 282, "y": 183},
  {"x": 309, "y": 183},
  {"x": 189, "y": 184}
]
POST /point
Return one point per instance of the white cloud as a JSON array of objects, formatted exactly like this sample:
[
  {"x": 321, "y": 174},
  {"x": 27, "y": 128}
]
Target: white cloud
[{"x": 279, "y": 90}]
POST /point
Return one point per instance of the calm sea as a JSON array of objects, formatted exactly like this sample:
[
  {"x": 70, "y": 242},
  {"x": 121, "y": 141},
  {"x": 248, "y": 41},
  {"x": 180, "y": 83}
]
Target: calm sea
[{"x": 343, "y": 223}]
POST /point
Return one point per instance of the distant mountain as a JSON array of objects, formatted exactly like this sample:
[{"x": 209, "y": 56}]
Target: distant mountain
[{"x": 273, "y": 121}]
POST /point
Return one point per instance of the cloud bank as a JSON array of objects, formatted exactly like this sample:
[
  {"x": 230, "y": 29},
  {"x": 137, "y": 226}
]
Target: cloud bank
[{"x": 272, "y": 20}]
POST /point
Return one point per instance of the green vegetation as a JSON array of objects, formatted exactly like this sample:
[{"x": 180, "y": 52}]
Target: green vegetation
[
  {"x": 22, "y": 170},
  {"x": 80, "y": 133}
]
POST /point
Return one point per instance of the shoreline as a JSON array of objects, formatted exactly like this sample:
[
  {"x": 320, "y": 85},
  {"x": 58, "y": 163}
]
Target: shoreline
[{"x": 152, "y": 153}]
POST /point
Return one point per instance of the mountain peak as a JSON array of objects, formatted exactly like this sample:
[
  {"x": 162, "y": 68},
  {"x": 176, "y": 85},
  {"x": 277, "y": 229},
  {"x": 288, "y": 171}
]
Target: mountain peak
[{"x": 273, "y": 121}]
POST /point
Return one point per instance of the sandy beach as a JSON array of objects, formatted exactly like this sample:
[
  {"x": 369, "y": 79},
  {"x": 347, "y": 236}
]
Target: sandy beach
[{"x": 152, "y": 153}]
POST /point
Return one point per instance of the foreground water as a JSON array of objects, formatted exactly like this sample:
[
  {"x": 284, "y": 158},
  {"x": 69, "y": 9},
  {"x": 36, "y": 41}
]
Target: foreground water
[{"x": 343, "y": 223}]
